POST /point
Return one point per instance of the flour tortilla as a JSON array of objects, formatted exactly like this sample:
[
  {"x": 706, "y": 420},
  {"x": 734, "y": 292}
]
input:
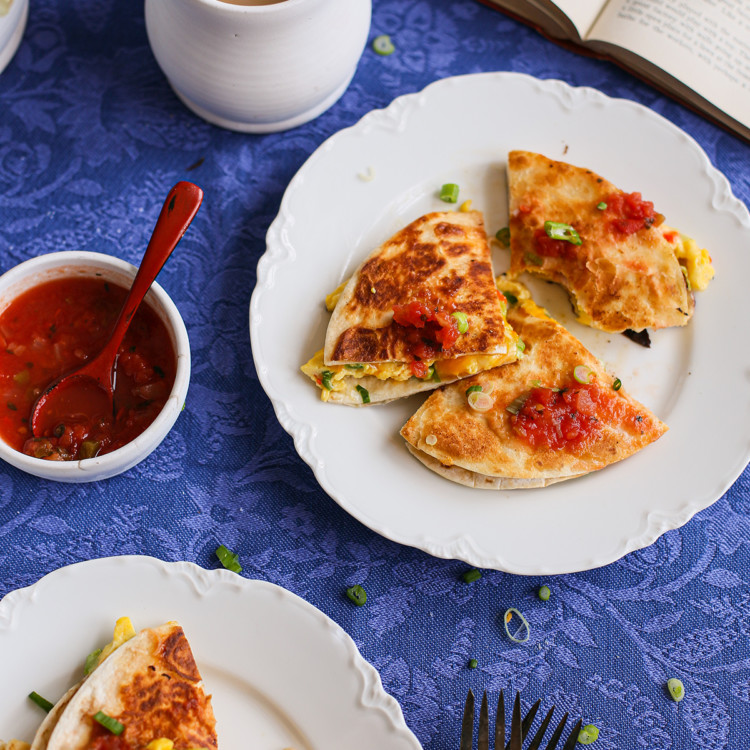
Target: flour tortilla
[
  {"x": 617, "y": 282},
  {"x": 152, "y": 686},
  {"x": 482, "y": 450},
  {"x": 442, "y": 257}
]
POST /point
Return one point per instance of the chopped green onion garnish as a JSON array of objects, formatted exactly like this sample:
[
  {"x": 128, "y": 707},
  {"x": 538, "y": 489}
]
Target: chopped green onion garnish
[
  {"x": 473, "y": 388},
  {"x": 588, "y": 734},
  {"x": 108, "y": 722},
  {"x": 601, "y": 206},
  {"x": 521, "y": 633},
  {"x": 533, "y": 258},
  {"x": 354, "y": 367},
  {"x": 517, "y": 403},
  {"x": 469, "y": 576},
  {"x": 512, "y": 299},
  {"x": 434, "y": 374},
  {"x": 687, "y": 278},
  {"x": 583, "y": 374},
  {"x": 617, "y": 384},
  {"x": 449, "y": 192},
  {"x": 230, "y": 560},
  {"x": 462, "y": 321},
  {"x": 503, "y": 236},
  {"x": 556, "y": 230},
  {"x": 92, "y": 660},
  {"x": 383, "y": 45},
  {"x": 536, "y": 383},
  {"x": 325, "y": 379},
  {"x": 364, "y": 393},
  {"x": 41, "y": 702},
  {"x": 473, "y": 663},
  {"x": 520, "y": 346},
  {"x": 357, "y": 594},
  {"x": 544, "y": 593},
  {"x": 676, "y": 689}
]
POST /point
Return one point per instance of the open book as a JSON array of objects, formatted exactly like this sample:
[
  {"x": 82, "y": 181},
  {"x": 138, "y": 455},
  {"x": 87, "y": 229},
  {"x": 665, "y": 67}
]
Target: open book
[{"x": 697, "y": 51}]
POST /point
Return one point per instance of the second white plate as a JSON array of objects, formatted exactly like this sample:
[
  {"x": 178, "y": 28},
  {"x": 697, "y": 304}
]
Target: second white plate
[
  {"x": 282, "y": 674},
  {"x": 366, "y": 182}
]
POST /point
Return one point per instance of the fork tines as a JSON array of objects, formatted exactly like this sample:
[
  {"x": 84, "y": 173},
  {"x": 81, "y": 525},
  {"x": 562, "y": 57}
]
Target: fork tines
[{"x": 519, "y": 727}]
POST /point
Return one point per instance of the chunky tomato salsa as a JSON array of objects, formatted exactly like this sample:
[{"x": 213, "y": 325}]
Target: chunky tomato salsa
[
  {"x": 429, "y": 330},
  {"x": 56, "y": 327},
  {"x": 572, "y": 416}
]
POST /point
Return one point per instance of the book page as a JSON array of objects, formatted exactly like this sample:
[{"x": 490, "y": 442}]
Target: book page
[
  {"x": 582, "y": 13},
  {"x": 704, "y": 43}
]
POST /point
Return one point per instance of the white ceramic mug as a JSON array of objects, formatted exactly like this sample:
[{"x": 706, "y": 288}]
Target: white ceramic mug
[
  {"x": 13, "y": 16},
  {"x": 258, "y": 68}
]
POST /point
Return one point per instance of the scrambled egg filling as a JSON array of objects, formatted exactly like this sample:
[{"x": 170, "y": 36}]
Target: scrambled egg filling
[
  {"x": 124, "y": 631},
  {"x": 333, "y": 377},
  {"x": 695, "y": 260}
]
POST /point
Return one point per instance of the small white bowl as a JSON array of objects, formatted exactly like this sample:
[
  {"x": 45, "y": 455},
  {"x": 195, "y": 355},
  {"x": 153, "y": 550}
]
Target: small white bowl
[
  {"x": 78, "y": 263},
  {"x": 258, "y": 68}
]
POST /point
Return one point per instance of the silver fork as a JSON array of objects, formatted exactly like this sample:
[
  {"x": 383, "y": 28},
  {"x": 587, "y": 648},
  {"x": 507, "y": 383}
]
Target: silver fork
[{"x": 519, "y": 727}]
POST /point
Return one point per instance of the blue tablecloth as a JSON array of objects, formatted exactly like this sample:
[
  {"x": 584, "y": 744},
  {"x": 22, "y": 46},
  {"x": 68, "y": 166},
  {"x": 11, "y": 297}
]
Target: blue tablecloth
[{"x": 91, "y": 139}]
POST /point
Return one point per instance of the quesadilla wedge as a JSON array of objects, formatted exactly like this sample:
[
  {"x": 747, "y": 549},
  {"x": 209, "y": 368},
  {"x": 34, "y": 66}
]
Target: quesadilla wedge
[
  {"x": 150, "y": 686},
  {"x": 623, "y": 268},
  {"x": 422, "y": 310},
  {"x": 554, "y": 414}
]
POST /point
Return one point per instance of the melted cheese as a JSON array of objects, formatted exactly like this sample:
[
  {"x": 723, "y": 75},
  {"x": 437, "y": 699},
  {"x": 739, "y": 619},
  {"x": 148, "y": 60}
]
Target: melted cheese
[{"x": 161, "y": 744}]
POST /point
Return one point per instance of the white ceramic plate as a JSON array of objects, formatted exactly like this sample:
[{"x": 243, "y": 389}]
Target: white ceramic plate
[
  {"x": 282, "y": 674},
  {"x": 695, "y": 378}
]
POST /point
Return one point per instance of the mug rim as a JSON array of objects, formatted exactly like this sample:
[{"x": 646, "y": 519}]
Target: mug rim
[{"x": 231, "y": 7}]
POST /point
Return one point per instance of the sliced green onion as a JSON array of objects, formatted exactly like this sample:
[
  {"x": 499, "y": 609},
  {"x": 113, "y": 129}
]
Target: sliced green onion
[
  {"x": 354, "y": 367},
  {"x": 588, "y": 735},
  {"x": 462, "y": 321},
  {"x": 601, "y": 206},
  {"x": 503, "y": 236},
  {"x": 536, "y": 383},
  {"x": 556, "y": 230},
  {"x": 473, "y": 389},
  {"x": 92, "y": 661},
  {"x": 544, "y": 593},
  {"x": 357, "y": 594},
  {"x": 522, "y": 632},
  {"x": 676, "y": 689},
  {"x": 687, "y": 278},
  {"x": 583, "y": 374},
  {"x": 520, "y": 346},
  {"x": 449, "y": 192},
  {"x": 512, "y": 299},
  {"x": 617, "y": 384},
  {"x": 434, "y": 374},
  {"x": 108, "y": 722},
  {"x": 230, "y": 560},
  {"x": 364, "y": 393},
  {"x": 325, "y": 379},
  {"x": 473, "y": 663},
  {"x": 480, "y": 401},
  {"x": 469, "y": 576},
  {"x": 533, "y": 258},
  {"x": 383, "y": 45},
  {"x": 41, "y": 702},
  {"x": 517, "y": 403}
]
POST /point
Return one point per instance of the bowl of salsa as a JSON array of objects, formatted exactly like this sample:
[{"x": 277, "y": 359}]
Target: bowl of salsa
[{"x": 56, "y": 313}]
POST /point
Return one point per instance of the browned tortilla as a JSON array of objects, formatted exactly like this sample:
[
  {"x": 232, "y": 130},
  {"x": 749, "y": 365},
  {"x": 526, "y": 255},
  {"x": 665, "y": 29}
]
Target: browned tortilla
[
  {"x": 616, "y": 281},
  {"x": 152, "y": 686},
  {"x": 442, "y": 257},
  {"x": 482, "y": 450}
]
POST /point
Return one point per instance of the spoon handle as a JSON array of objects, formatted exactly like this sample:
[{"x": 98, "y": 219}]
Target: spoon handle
[{"x": 179, "y": 209}]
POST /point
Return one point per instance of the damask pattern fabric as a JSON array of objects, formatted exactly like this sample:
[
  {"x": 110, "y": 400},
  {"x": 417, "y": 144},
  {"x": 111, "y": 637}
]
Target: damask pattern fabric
[{"x": 91, "y": 139}]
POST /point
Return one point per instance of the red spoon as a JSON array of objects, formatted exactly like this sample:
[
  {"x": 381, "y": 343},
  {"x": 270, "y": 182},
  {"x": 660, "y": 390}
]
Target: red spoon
[{"x": 89, "y": 390}]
